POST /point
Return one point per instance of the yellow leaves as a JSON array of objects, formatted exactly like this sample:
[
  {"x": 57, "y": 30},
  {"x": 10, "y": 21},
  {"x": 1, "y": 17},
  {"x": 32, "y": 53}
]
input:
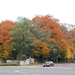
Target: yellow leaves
[
  {"x": 37, "y": 43},
  {"x": 44, "y": 49},
  {"x": 68, "y": 54},
  {"x": 6, "y": 51},
  {"x": 69, "y": 51}
]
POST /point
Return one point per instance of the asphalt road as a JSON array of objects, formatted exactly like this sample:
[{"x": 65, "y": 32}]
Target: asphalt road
[{"x": 58, "y": 69}]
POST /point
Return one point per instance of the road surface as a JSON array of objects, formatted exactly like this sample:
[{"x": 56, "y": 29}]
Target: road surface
[{"x": 58, "y": 69}]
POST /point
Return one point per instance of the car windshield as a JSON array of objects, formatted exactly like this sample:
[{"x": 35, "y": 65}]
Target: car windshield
[{"x": 49, "y": 62}]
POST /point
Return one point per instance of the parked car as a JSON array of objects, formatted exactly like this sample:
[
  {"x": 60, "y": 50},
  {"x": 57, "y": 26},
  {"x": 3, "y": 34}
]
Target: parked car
[{"x": 48, "y": 64}]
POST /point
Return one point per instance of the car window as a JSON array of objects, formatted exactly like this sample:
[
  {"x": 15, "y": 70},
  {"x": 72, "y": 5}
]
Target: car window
[{"x": 49, "y": 62}]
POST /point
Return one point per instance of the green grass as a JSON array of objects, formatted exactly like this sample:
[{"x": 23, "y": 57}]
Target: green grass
[{"x": 5, "y": 64}]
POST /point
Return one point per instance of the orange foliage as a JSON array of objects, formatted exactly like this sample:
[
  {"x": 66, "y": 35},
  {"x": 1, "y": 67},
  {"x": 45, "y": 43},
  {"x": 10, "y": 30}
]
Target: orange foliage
[
  {"x": 5, "y": 28},
  {"x": 44, "y": 49},
  {"x": 49, "y": 23},
  {"x": 53, "y": 40},
  {"x": 37, "y": 43},
  {"x": 57, "y": 35}
]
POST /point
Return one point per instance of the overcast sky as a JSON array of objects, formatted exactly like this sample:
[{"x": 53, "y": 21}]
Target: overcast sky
[{"x": 64, "y": 10}]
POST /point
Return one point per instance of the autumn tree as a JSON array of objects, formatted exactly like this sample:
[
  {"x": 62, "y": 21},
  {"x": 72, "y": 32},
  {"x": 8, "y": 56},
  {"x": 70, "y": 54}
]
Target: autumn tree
[
  {"x": 5, "y": 28},
  {"x": 41, "y": 51},
  {"x": 52, "y": 31},
  {"x": 71, "y": 40},
  {"x": 70, "y": 45}
]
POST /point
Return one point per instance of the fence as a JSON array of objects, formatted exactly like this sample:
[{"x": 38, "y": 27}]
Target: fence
[{"x": 21, "y": 62}]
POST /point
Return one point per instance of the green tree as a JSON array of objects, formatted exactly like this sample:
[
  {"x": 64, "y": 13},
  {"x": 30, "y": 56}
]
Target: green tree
[
  {"x": 56, "y": 54},
  {"x": 22, "y": 38}
]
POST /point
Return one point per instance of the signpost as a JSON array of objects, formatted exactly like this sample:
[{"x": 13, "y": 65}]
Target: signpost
[{"x": 24, "y": 58}]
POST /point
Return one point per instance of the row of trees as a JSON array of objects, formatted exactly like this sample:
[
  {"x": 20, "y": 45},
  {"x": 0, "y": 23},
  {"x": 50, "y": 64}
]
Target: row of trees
[{"x": 43, "y": 38}]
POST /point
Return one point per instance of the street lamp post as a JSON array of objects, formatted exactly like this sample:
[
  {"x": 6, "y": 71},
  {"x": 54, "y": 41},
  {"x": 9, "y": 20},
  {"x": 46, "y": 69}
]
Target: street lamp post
[{"x": 14, "y": 54}]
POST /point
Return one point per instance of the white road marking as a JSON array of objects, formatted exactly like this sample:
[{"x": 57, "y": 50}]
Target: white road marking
[{"x": 17, "y": 71}]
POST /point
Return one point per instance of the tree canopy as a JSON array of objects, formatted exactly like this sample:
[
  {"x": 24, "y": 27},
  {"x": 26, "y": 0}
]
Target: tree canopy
[{"x": 43, "y": 38}]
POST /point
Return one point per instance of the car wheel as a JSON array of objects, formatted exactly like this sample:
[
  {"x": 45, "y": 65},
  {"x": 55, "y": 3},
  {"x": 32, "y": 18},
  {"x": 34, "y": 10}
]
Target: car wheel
[
  {"x": 44, "y": 66},
  {"x": 52, "y": 65}
]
